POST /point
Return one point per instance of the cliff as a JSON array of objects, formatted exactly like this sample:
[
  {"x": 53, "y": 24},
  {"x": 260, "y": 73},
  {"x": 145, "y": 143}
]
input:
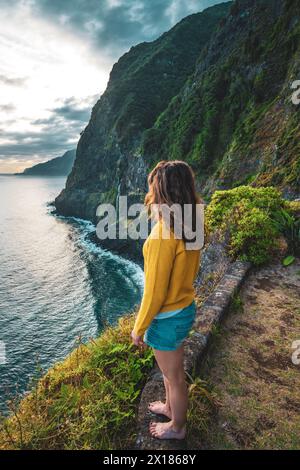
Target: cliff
[
  {"x": 215, "y": 91},
  {"x": 141, "y": 85},
  {"x": 234, "y": 120},
  {"x": 60, "y": 166}
]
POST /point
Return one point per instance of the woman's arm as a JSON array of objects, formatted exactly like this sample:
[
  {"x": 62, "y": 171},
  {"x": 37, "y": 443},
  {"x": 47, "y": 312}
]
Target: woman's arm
[{"x": 161, "y": 253}]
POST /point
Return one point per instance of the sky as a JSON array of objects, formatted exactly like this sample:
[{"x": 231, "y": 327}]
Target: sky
[{"x": 56, "y": 56}]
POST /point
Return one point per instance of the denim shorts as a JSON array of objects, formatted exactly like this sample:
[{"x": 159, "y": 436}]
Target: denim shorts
[{"x": 167, "y": 334}]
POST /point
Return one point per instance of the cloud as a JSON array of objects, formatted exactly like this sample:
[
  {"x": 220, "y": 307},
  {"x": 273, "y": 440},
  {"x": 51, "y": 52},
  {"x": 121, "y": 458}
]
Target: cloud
[
  {"x": 74, "y": 110},
  {"x": 49, "y": 136},
  {"x": 47, "y": 142},
  {"x": 7, "y": 108},
  {"x": 12, "y": 81},
  {"x": 109, "y": 25},
  {"x": 114, "y": 26}
]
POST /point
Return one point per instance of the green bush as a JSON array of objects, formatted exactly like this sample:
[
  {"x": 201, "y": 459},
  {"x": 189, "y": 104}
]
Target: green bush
[{"x": 247, "y": 216}]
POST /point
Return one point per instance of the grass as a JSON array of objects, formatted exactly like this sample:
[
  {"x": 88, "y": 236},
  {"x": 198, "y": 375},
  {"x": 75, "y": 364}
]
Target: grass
[
  {"x": 88, "y": 401},
  {"x": 237, "y": 304},
  {"x": 203, "y": 403}
]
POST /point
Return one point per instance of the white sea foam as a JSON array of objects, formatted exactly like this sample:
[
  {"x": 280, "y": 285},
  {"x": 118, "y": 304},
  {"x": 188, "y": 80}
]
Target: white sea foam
[{"x": 133, "y": 271}]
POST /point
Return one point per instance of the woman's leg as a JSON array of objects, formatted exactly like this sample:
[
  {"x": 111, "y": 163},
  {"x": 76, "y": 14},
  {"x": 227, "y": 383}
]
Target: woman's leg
[
  {"x": 167, "y": 388},
  {"x": 160, "y": 408},
  {"x": 171, "y": 365}
]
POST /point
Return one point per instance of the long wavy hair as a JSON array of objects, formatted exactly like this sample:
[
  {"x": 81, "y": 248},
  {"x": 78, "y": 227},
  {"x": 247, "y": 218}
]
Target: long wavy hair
[{"x": 172, "y": 182}]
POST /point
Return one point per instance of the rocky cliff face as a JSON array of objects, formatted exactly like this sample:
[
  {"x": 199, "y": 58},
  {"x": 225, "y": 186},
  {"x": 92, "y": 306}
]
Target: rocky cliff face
[
  {"x": 234, "y": 120},
  {"x": 214, "y": 91},
  {"x": 141, "y": 85}
]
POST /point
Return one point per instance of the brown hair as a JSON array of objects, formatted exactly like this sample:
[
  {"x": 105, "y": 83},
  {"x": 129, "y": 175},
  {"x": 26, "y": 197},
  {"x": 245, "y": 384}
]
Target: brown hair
[{"x": 172, "y": 182}]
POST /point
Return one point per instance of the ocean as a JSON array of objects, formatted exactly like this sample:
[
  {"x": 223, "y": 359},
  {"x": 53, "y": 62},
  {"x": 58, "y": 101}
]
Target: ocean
[{"x": 56, "y": 286}]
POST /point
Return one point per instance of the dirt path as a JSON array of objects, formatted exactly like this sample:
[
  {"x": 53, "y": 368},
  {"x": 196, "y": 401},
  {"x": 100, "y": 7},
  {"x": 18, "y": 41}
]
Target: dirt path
[{"x": 250, "y": 369}]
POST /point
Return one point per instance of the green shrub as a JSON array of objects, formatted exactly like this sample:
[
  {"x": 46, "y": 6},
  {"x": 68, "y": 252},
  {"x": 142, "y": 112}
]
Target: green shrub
[{"x": 246, "y": 216}]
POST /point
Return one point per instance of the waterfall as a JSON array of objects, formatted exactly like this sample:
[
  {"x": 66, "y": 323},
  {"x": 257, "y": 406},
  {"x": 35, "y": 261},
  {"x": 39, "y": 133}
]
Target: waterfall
[{"x": 118, "y": 199}]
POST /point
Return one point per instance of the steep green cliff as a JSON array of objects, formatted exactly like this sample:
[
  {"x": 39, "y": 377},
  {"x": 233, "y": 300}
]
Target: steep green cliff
[
  {"x": 141, "y": 86},
  {"x": 215, "y": 91},
  {"x": 234, "y": 121},
  {"x": 60, "y": 166}
]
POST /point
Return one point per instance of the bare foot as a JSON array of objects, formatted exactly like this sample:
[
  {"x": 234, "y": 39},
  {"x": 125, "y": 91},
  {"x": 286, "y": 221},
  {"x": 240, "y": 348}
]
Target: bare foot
[
  {"x": 160, "y": 408},
  {"x": 165, "y": 431}
]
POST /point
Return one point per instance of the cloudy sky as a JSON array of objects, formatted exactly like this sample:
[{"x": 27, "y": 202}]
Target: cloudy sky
[{"x": 55, "y": 60}]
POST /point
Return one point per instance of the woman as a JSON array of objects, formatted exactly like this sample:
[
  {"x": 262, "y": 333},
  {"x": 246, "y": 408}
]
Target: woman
[{"x": 167, "y": 309}]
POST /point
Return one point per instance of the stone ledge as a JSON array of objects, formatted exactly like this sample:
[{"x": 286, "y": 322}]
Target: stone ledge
[{"x": 208, "y": 316}]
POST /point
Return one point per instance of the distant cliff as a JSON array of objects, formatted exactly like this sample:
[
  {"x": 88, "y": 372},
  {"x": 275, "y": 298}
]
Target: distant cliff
[
  {"x": 215, "y": 91},
  {"x": 60, "y": 166}
]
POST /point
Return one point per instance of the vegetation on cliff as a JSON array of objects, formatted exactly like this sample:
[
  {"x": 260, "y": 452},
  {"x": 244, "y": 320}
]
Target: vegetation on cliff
[
  {"x": 253, "y": 222},
  {"x": 88, "y": 401},
  {"x": 234, "y": 121}
]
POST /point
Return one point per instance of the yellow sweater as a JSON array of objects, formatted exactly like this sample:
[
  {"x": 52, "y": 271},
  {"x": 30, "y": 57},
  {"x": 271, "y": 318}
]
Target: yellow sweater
[{"x": 170, "y": 271}]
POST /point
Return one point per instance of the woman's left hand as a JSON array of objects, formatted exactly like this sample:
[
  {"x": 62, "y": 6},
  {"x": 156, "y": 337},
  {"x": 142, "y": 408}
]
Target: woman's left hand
[{"x": 137, "y": 340}]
